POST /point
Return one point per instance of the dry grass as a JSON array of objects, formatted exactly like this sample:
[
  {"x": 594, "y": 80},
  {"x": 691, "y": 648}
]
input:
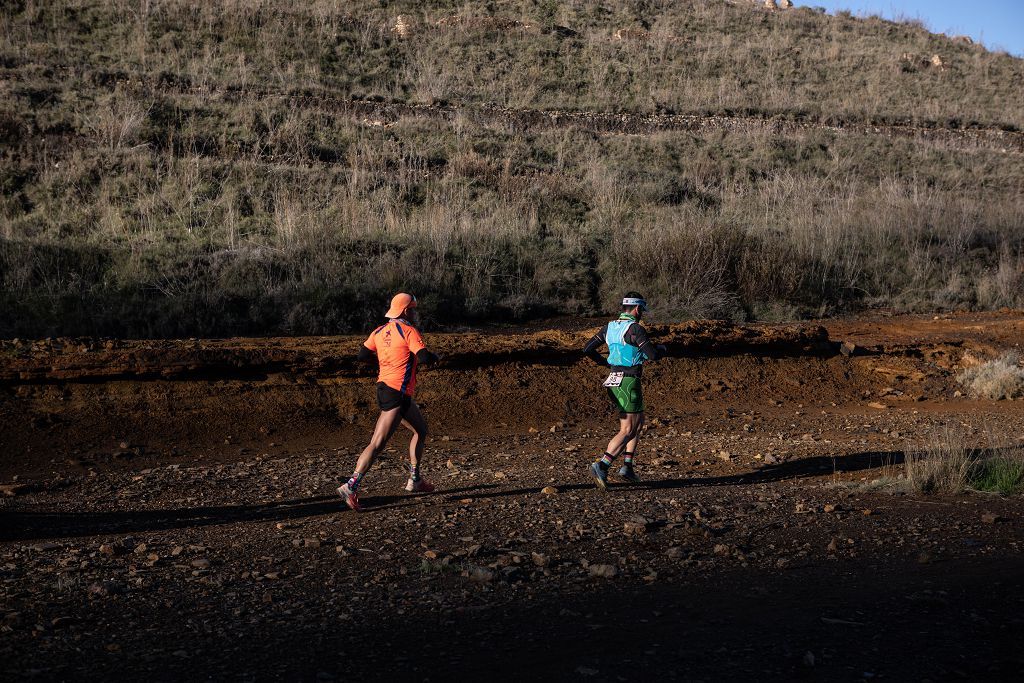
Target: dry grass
[
  {"x": 180, "y": 203},
  {"x": 942, "y": 465},
  {"x": 997, "y": 379}
]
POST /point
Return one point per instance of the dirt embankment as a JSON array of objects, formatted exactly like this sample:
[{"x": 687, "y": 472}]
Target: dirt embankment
[{"x": 66, "y": 403}]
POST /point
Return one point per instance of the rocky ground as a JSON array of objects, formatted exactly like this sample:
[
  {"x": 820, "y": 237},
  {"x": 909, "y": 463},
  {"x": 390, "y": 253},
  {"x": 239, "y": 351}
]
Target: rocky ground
[{"x": 182, "y": 523}]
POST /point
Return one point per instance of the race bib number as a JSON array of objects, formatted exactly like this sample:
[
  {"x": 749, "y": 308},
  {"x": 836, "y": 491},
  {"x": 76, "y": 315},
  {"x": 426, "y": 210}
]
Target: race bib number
[{"x": 614, "y": 379}]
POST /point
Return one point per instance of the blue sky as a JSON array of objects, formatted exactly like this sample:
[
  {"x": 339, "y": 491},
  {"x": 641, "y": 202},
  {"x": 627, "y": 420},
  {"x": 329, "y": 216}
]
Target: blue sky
[{"x": 999, "y": 24}]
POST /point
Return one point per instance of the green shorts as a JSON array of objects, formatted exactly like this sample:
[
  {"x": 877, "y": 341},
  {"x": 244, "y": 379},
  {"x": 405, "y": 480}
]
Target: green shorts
[{"x": 628, "y": 397}]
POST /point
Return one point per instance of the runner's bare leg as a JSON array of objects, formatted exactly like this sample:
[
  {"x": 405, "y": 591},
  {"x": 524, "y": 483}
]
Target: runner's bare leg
[
  {"x": 415, "y": 422},
  {"x": 635, "y": 441},
  {"x": 387, "y": 423},
  {"x": 629, "y": 432}
]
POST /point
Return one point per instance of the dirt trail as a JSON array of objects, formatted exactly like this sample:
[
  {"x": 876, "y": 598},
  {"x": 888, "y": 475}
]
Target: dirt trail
[
  {"x": 70, "y": 403},
  {"x": 168, "y": 509},
  {"x": 623, "y": 123},
  {"x": 374, "y": 112}
]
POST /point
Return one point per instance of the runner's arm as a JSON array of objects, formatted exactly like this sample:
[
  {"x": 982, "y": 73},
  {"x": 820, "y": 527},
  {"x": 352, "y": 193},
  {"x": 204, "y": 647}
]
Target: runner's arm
[
  {"x": 637, "y": 336},
  {"x": 366, "y": 355},
  {"x": 596, "y": 342},
  {"x": 425, "y": 357}
]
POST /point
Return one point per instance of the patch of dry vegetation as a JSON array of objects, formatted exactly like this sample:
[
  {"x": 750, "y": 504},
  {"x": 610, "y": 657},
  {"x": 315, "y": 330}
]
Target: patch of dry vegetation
[
  {"x": 997, "y": 379},
  {"x": 151, "y": 187},
  {"x": 947, "y": 464}
]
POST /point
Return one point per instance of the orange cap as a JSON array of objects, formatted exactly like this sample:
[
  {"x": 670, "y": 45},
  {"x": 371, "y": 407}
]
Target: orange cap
[{"x": 399, "y": 303}]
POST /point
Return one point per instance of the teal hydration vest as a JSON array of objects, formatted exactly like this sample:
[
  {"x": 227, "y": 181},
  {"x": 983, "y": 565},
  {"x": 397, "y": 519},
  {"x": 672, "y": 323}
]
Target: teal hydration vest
[{"x": 619, "y": 352}]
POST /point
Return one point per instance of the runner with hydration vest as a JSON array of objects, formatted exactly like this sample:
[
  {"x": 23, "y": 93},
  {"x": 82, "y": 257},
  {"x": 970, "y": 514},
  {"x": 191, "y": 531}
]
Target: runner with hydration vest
[{"x": 628, "y": 350}]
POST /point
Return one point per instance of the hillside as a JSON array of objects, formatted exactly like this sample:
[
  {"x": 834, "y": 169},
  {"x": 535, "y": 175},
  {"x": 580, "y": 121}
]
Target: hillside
[{"x": 174, "y": 169}]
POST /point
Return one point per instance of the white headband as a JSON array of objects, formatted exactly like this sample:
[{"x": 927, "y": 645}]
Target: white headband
[{"x": 630, "y": 301}]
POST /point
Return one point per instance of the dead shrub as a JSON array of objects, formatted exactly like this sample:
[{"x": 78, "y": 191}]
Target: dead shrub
[{"x": 997, "y": 379}]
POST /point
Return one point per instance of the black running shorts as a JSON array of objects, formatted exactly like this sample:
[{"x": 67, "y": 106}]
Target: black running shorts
[{"x": 389, "y": 399}]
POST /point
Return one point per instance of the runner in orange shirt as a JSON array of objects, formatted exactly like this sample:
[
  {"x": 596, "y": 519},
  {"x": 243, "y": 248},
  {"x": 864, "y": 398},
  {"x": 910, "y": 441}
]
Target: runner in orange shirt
[{"x": 399, "y": 350}]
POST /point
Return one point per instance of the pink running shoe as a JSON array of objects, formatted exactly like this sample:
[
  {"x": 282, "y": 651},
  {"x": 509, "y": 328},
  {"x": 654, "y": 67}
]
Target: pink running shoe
[
  {"x": 351, "y": 497},
  {"x": 421, "y": 486}
]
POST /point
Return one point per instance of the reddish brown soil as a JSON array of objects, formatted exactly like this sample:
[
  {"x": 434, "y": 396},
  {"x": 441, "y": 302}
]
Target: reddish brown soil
[{"x": 226, "y": 556}]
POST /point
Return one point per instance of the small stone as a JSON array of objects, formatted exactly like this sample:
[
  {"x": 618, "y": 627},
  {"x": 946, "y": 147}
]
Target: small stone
[
  {"x": 878, "y": 406},
  {"x": 848, "y": 348},
  {"x": 725, "y": 456},
  {"x": 721, "y": 549},
  {"x": 105, "y": 589},
  {"x": 833, "y": 545},
  {"x": 674, "y": 553},
  {"x": 829, "y": 507},
  {"x": 201, "y": 563},
  {"x": 311, "y": 542},
  {"x": 12, "y": 490},
  {"x": 540, "y": 559},
  {"x": 430, "y": 554},
  {"x": 549, "y": 490},
  {"x": 480, "y": 575},
  {"x": 604, "y": 571},
  {"x": 867, "y": 512},
  {"x": 45, "y": 547},
  {"x": 991, "y": 518},
  {"x": 177, "y": 550},
  {"x": 635, "y": 527}
]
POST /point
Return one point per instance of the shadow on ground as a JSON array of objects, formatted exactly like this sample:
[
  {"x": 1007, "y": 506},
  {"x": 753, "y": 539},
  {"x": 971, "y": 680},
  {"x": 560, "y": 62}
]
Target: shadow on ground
[{"x": 31, "y": 525}]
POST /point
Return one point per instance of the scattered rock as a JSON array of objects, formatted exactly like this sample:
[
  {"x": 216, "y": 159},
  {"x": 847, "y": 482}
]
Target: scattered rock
[
  {"x": 636, "y": 526},
  {"x": 604, "y": 571},
  {"x": 991, "y": 518},
  {"x": 201, "y": 563},
  {"x": 878, "y": 406},
  {"x": 480, "y": 575},
  {"x": 848, "y": 348},
  {"x": 45, "y": 547},
  {"x": 540, "y": 559},
  {"x": 104, "y": 589},
  {"x": 12, "y": 490},
  {"x": 549, "y": 490}
]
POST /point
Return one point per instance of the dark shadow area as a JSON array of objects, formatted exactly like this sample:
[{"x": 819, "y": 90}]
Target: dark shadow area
[
  {"x": 32, "y": 525},
  {"x": 800, "y": 468},
  {"x": 893, "y": 621}
]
